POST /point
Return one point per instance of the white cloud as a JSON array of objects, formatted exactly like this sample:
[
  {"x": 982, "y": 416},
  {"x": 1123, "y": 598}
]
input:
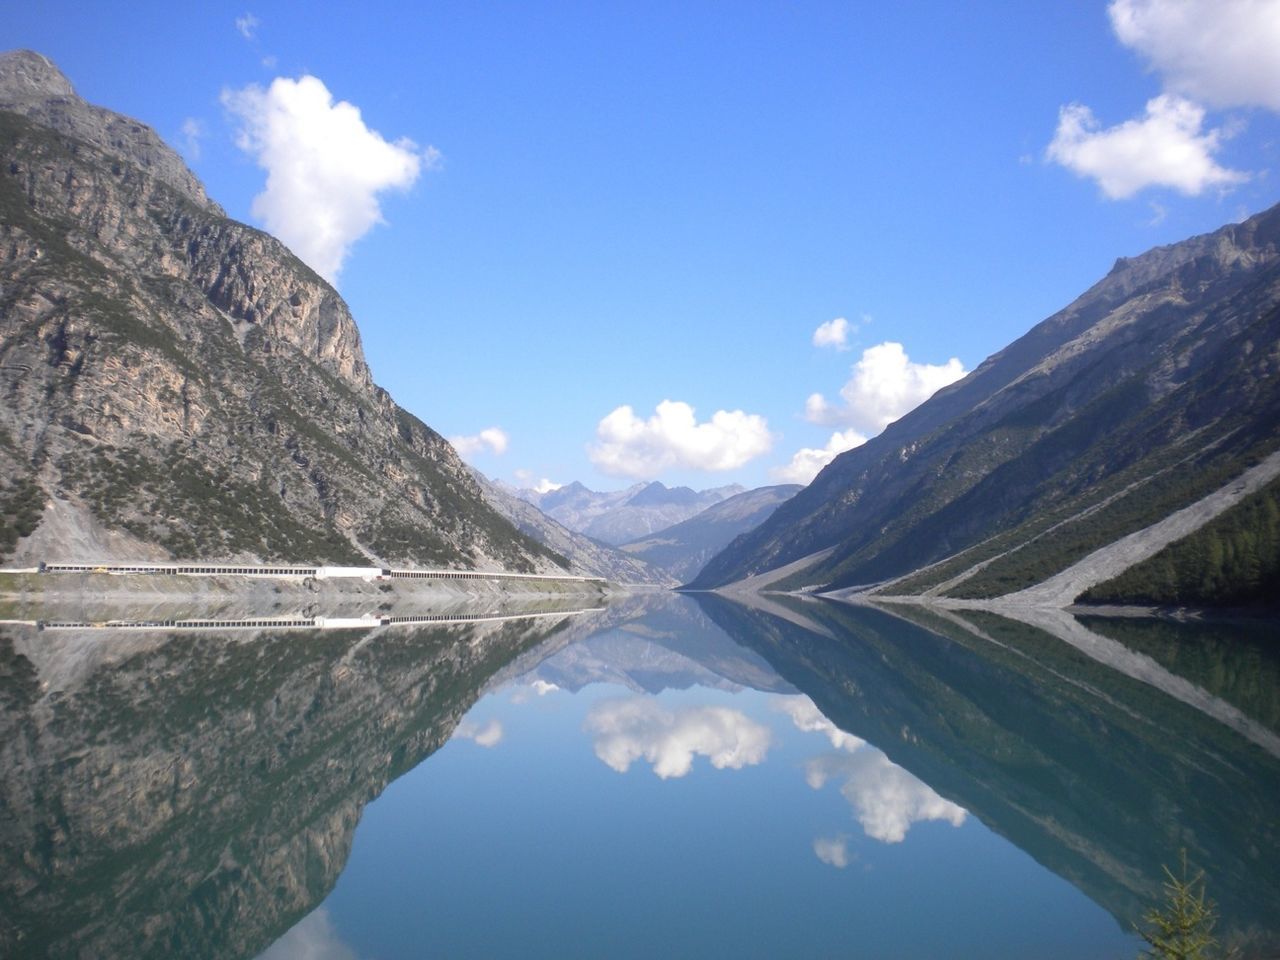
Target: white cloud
[
  {"x": 546, "y": 486},
  {"x": 833, "y": 850},
  {"x": 885, "y": 385},
  {"x": 809, "y": 461},
  {"x": 192, "y": 133},
  {"x": 312, "y": 938},
  {"x": 635, "y": 728},
  {"x": 885, "y": 799},
  {"x": 833, "y": 334},
  {"x": 1220, "y": 52},
  {"x": 630, "y": 447},
  {"x": 807, "y": 718},
  {"x": 489, "y": 440},
  {"x": 325, "y": 168},
  {"x": 248, "y": 25},
  {"x": 488, "y": 734},
  {"x": 1166, "y": 148}
]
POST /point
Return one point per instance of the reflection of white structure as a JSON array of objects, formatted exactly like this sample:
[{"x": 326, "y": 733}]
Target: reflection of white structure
[{"x": 627, "y": 730}]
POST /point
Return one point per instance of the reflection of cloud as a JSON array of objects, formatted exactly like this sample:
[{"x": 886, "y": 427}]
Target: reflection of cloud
[
  {"x": 885, "y": 798},
  {"x": 833, "y": 850},
  {"x": 312, "y": 938},
  {"x": 809, "y": 719},
  {"x": 626, "y": 730},
  {"x": 538, "y": 688},
  {"x": 485, "y": 735}
]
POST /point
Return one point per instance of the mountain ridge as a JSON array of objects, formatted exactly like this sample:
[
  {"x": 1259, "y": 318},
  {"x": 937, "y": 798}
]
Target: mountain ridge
[{"x": 1163, "y": 377}]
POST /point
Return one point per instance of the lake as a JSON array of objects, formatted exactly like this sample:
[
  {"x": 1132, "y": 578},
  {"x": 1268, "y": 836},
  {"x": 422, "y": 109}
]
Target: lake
[{"x": 677, "y": 776}]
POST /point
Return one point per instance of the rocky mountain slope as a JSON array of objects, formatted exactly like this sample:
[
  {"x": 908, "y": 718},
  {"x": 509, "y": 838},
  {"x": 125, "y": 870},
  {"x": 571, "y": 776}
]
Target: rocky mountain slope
[
  {"x": 1152, "y": 393},
  {"x": 179, "y": 384},
  {"x": 683, "y": 549},
  {"x": 586, "y": 556},
  {"x": 619, "y": 516}
]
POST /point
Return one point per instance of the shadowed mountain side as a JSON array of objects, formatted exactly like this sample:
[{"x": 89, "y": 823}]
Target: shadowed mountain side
[
  {"x": 682, "y": 549},
  {"x": 1154, "y": 389},
  {"x": 197, "y": 795},
  {"x": 1099, "y": 777}
]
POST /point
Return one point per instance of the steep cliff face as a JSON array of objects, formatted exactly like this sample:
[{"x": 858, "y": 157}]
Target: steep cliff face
[
  {"x": 196, "y": 795},
  {"x": 1157, "y": 388},
  {"x": 177, "y": 383}
]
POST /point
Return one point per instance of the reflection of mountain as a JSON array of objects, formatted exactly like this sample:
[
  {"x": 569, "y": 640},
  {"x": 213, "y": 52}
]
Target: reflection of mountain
[
  {"x": 1100, "y": 777},
  {"x": 648, "y": 642},
  {"x": 197, "y": 795}
]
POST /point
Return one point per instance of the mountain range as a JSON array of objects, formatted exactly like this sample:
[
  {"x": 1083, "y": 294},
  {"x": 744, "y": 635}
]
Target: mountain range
[
  {"x": 620, "y": 516},
  {"x": 1136, "y": 430}
]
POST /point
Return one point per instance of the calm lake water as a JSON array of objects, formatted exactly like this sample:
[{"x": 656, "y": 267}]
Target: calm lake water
[{"x": 672, "y": 776}]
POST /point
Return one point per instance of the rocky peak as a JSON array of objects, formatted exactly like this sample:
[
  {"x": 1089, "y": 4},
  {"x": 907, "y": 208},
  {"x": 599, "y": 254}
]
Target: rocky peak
[
  {"x": 27, "y": 75},
  {"x": 31, "y": 85}
]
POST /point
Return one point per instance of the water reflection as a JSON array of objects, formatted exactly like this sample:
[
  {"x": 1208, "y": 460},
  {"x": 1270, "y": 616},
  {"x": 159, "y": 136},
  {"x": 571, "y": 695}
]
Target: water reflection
[
  {"x": 662, "y": 777},
  {"x": 1066, "y": 736},
  {"x": 195, "y": 794}
]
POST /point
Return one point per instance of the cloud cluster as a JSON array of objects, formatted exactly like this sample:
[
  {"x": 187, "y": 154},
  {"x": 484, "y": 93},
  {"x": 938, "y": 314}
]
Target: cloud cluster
[
  {"x": 488, "y": 734},
  {"x": 627, "y": 730},
  {"x": 325, "y": 168},
  {"x": 672, "y": 437},
  {"x": 885, "y": 799},
  {"x": 489, "y": 440},
  {"x": 1165, "y": 148},
  {"x": 885, "y": 384},
  {"x": 1216, "y": 52},
  {"x": 807, "y": 462},
  {"x": 1220, "y": 52}
]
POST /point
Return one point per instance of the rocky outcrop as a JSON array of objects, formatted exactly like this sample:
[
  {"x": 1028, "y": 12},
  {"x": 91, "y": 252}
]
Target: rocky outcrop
[{"x": 185, "y": 382}]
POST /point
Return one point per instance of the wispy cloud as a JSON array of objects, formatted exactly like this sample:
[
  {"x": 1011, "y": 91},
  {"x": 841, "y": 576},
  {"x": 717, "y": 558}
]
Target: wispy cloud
[
  {"x": 672, "y": 437},
  {"x": 638, "y": 728},
  {"x": 489, "y": 440},
  {"x": 247, "y": 26},
  {"x": 325, "y": 167},
  {"x": 192, "y": 136}
]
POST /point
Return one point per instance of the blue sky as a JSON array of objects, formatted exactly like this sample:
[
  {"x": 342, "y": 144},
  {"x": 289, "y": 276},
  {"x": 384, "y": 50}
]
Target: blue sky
[{"x": 657, "y": 206}]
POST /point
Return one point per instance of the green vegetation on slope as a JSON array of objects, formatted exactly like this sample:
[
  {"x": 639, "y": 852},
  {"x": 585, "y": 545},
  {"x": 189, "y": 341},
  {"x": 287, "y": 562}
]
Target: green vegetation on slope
[{"x": 1232, "y": 561}]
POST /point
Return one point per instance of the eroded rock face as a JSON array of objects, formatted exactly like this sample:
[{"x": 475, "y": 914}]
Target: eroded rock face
[
  {"x": 183, "y": 380},
  {"x": 197, "y": 795}
]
